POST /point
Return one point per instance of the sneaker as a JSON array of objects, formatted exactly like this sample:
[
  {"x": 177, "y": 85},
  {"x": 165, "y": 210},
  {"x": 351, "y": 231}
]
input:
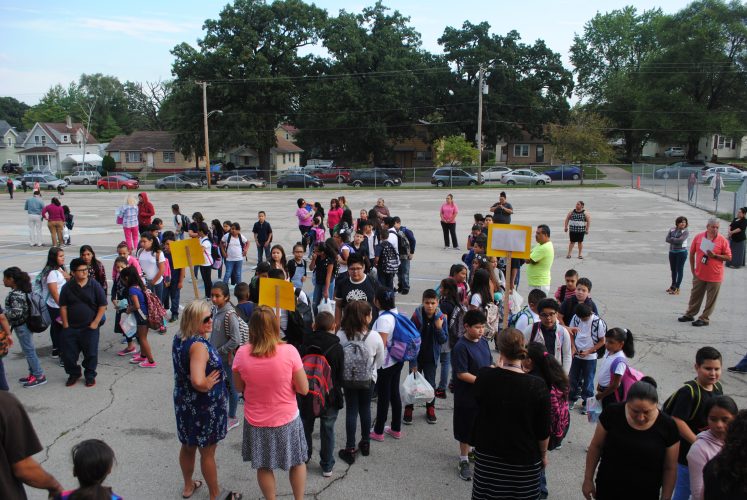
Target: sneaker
[
  {"x": 90, "y": 382},
  {"x": 685, "y": 318},
  {"x": 430, "y": 415},
  {"x": 326, "y": 473},
  {"x": 23, "y": 380},
  {"x": 471, "y": 456},
  {"x": 441, "y": 393},
  {"x": 136, "y": 360},
  {"x": 147, "y": 364},
  {"x": 582, "y": 410},
  {"x": 71, "y": 380},
  {"x": 407, "y": 417},
  {"x": 347, "y": 455},
  {"x": 34, "y": 381},
  {"x": 233, "y": 423},
  {"x": 394, "y": 434},
  {"x": 365, "y": 448},
  {"x": 736, "y": 369},
  {"x": 376, "y": 437},
  {"x": 543, "y": 495},
  {"x": 464, "y": 471},
  {"x": 125, "y": 352},
  {"x": 55, "y": 353},
  {"x": 174, "y": 317}
]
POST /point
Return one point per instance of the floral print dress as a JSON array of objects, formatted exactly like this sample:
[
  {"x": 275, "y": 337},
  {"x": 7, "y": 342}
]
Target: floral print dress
[{"x": 201, "y": 417}]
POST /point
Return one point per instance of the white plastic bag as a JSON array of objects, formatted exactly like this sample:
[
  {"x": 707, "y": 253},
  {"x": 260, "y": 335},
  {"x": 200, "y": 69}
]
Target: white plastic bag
[
  {"x": 416, "y": 389},
  {"x": 128, "y": 324},
  {"x": 593, "y": 409},
  {"x": 515, "y": 301},
  {"x": 327, "y": 305}
]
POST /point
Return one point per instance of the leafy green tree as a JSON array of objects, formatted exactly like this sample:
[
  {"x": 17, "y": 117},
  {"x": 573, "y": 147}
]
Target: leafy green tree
[
  {"x": 455, "y": 150},
  {"x": 55, "y": 106},
  {"x": 108, "y": 164},
  {"x": 144, "y": 102},
  {"x": 583, "y": 139},
  {"x": 12, "y": 111}
]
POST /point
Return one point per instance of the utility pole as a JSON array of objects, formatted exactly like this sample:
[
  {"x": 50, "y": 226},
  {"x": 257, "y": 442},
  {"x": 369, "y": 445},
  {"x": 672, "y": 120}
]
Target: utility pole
[
  {"x": 205, "y": 125},
  {"x": 479, "y": 124}
]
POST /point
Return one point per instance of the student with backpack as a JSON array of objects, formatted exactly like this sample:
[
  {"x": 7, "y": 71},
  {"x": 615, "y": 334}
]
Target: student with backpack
[
  {"x": 581, "y": 296},
  {"x": 181, "y": 222},
  {"x": 551, "y": 333},
  {"x": 323, "y": 359},
  {"x": 363, "y": 355},
  {"x": 226, "y": 338},
  {"x": 588, "y": 332},
  {"x": 386, "y": 260},
  {"x": 406, "y": 250},
  {"x": 482, "y": 299},
  {"x": 152, "y": 262},
  {"x": 138, "y": 307},
  {"x": 297, "y": 266},
  {"x": 262, "y": 231},
  {"x": 619, "y": 348},
  {"x": 172, "y": 284},
  {"x": 244, "y": 306},
  {"x": 206, "y": 269},
  {"x": 234, "y": 247},
  {"x": 569, "y": 289},
  {"x": 451, "y": 305},
  {"x": 69, "y": 223},
  {"x": 687, "y": 408},
  {"x": 17, "y": 310},
  {"x": 528, "y": 314}
]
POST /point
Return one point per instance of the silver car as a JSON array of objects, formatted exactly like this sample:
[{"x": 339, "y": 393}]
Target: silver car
[
  {"x": 728, "y": 174},
  {"x": 83, "y": 177},
  {"x": 177, "y": 182},
  {"x": 4, "y": 180},
  {"x": 495, "y": 174},
  {"x": 240, "y": 181},
  {"x": 525, "y": 176}
]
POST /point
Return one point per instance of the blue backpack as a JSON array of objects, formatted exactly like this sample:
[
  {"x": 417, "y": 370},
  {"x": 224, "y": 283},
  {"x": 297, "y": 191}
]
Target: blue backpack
[{"x": 405, "y": 339}]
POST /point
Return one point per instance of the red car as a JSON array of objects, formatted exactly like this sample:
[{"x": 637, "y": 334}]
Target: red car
[
  {"x": 336, "y": 174},
  {"x": 117, "y": 182}
]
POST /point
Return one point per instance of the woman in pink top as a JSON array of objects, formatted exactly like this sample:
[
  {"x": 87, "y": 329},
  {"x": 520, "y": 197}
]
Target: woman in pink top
[
  {"x": 55, "y": 216},
  {"x": 449, "y": 211},
  {"x": 304, "y": 216},
  {"x": 270, "y": 373},
  {"x": 335, "y": 213}
]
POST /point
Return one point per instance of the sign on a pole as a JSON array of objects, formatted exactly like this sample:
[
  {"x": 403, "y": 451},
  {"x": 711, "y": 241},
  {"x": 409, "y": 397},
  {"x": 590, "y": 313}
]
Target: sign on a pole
[{"x": 509, "y": 238}]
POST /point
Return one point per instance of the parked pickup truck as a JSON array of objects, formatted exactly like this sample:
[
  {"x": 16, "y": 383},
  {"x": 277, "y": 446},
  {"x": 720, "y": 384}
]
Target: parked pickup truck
[
  {"x": 83, "y": 177},
  {"x": 330, "y": 175}
]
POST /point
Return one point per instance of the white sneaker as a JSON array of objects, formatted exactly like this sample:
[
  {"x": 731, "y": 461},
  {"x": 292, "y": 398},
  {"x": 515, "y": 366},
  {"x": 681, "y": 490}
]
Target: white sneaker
[
  {"x": 233, "y": 423},
  {"x": 326, "y": 473}
]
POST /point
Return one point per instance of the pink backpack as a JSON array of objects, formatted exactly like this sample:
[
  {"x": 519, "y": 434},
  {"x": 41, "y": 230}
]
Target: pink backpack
[{"x": 630, "y": 377}]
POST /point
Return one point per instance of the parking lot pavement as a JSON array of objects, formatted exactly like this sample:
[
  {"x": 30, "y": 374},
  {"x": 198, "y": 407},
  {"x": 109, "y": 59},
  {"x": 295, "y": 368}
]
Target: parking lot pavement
[{"x": 131, "y": 408}]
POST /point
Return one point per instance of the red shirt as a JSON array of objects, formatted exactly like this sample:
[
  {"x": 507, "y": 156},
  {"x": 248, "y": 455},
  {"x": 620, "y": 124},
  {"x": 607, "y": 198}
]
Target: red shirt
[{"x": 713, "y": 270}]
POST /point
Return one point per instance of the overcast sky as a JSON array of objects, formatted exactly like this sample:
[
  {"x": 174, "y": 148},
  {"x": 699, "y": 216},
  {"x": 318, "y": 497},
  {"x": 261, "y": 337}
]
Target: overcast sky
[{"x": 55, "y": 42}]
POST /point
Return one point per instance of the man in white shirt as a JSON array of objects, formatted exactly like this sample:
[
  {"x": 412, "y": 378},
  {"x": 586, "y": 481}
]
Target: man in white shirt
[{"x": 234, "y": 247}]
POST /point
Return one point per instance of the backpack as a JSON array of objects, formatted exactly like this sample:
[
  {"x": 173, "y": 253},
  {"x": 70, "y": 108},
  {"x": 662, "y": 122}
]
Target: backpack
[
  {"x": 388, "y": 260},
  {"x": 406, "y": 340},
  {"x": 243, "y": 242},
  {"x": 185, "y": 223},
  {"x": 299, "y": 322},
  {"x": 69, "y": 221},
  {"x": 156, "y": 311},
  {"x": 243, "y": 327},
  {"x": 493, "y": 323},
  {"x": 309, "y": 238},
  {"x": 403, "y": 244},
  {"x": 39, "y": 318},
  {"x": 695, "y": 394},
  {"x": 559, "y": 413},
  {"x": 357, "y": 365},
  {"x": 456, "y": 324},
  {"x": 319, "y": 374},
  {"x": 215, "y": 254},
  {"x": 595, "y": 329},
  {"x": 514, "y": 318},
  {"x": 630, "y": 377}
]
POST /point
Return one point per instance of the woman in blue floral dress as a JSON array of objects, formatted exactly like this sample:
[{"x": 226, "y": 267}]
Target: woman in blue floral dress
[{"x": 200, "y": 398}]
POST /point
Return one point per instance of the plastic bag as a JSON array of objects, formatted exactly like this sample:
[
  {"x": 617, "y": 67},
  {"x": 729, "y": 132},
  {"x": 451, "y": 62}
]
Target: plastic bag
[
  {"x": 128, "y": 324},
  {"x": 327, "y": 305},
  {"x": 416, "y": 389},
  {"x": 593, "y": 409},
  {"x": 515, "y": 301}
]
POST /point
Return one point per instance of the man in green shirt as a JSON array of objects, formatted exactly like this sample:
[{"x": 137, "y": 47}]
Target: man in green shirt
[{"x": 540, "y": 260}]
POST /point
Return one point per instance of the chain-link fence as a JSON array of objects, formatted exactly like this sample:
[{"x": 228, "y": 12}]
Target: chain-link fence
[{"x": 696, "y": 190}]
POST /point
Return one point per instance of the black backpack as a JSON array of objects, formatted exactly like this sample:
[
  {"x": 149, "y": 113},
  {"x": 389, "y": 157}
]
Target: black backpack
[{"x": 299, "y": 322}]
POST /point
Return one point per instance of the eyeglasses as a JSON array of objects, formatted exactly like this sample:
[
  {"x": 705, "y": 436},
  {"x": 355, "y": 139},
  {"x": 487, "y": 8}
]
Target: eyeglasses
[
  {"x": 207, "y": 320},
  {"x": 356, "y": 269},
  {"x": 547, "y": 315},
  {"x": 82, "y": 270}
]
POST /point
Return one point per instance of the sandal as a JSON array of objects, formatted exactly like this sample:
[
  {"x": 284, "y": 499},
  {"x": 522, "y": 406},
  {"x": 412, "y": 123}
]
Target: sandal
[
  {"x": 230, "y": 495},
  {"x": 196, "y": 485}
]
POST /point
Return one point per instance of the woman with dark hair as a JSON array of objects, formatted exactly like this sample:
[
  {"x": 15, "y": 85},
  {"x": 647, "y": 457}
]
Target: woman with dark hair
[
  {"x": 17, "y": 312},
  {"x": 677, "y": 239},
  {"x": 304, "y": 216},
  {"x": 153, "y": 263},
  {"x": 55, "y": 216},
  {"x": 96, "y": 269},
  {"x": 335, "y": 213},
  {"x": 216, "y": 235},
  {"x": 737, "y": 237},
  {"x": 319, "y": 212},
  {"x": 194, "y": 226},
  {"x": 635, "y": 446},
  {"x": 449, "y": 211},
  {"x": 50, "y": 281},
  {"x": 512, "y": 428},
  {"x": 725, "y": 477}
]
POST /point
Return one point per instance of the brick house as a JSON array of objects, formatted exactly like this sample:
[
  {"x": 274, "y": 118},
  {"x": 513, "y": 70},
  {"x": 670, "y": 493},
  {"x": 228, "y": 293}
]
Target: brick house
[{"x": 150, "y": 149}]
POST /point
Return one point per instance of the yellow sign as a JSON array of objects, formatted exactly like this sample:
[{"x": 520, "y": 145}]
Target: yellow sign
[
  {"x": 277, "y": 293},
  {"x": 505, "y": 238},
  {"x": 179, "y": 251}
]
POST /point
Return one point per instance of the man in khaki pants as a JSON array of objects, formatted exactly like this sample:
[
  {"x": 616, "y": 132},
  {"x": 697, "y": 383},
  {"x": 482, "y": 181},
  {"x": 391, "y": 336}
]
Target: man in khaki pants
[{"x": 708, "y": 252}]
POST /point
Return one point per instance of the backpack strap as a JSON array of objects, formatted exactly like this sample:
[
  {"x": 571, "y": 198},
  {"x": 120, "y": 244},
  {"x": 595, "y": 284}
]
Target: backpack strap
[
  {"x": 614, "y": 364},
  {"x": 533, "y": 335}
]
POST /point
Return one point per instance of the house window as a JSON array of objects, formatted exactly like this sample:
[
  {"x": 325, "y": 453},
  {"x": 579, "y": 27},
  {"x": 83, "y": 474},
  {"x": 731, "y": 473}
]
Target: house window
[
  {"x": 65, "y": 139},
  {"x": 133, "y": 157},
  {"x": 725, "y": 142},
  {"x": 115, "y": 156},
  {"x": 10, "y": 142},
  {"x": 37, "y": 139},
  {"x": 521, "y": 150},
  {"x": 169, "y": 157},
  {"x": 44, "y": 140},
  {"x": 423, "y": 155}
]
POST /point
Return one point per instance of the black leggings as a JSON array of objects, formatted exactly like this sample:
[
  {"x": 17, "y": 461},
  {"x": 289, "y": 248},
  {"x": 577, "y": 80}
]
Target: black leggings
[
  {"x": 387, "y": 388},
  {"x": 207, "y": 279},
  {"x": 449, "y": 227}
]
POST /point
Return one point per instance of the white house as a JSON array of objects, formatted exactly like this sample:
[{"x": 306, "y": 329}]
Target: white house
[
  {"x": 48, "y": 144},
  {"x": 714, "y": 144},
  {"x": 11, "y": 143}
]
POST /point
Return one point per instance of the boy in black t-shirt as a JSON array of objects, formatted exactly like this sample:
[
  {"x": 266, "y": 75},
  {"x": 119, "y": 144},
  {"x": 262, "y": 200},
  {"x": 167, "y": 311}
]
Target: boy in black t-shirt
[
  {"x": 688, "y": 411},
  {"x": 582, "y": 296},
  {"x": 262, "y": 236}
]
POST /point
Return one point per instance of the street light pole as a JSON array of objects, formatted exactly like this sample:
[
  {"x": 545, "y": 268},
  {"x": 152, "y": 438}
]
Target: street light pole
[
  {"x": 479, "y": 125},
  {"x": 205, "y": 125}
]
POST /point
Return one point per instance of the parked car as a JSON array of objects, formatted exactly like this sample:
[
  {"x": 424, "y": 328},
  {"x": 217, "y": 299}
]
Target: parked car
[
  {"x": 4, "y": 180},
  {"x": 449, "y": 176},
  {"x": 372, "y": 178},
  {"x": 391, "y": 169},
  {"x": 525, "y": 176},
  {"x": 127, "y": 175},
  {"x": 299, "y": 180},
  {"x": 728, "y": 174},
  {"x": 177, "y": 182},
  {"x": 674, "y": 152},
  {"x": 240, "y": 181},
  {"x": 12, "y": 168},
  {"x": 320, "y": 163},
  {"x": 198, "y": 174},
  {"x": 45, "y": 180},
  {"x": 564, "y": 173},
  {"x": 331, "y": 174},
  {"x": 683, "y": 169},
  {"x": 494, "y": 173},
  {"x": 83, "y": 177},
  {"x": 251, "y": 172},
  {"x": 117, "y": 182}
]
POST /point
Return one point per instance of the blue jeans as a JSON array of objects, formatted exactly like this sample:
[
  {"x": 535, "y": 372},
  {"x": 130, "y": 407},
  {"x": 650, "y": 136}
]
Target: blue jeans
[
  {"x": 386, "y": 280},
  {"x": 157, "y": 290},
  {"x": 403, "y": 275},
  {"x": 319, "y": 294},
  {"x": 26, "y": 338},
  {"x": 582, "y": 378},
  {"x": 263, "y": 251},
  {"x": 357, "y": 402},
  {"x": 326, "y": 437},
  {"x": 233, "y": 271},
  {"x": 682, "y": 486},
  {"x": 3, "y": 380},
  {"x": 77, "y": 340},
  {"x": 233, "y": 398},
  {"x": 677, "y": 266},
  {"x": 172, "y": 293},
  {"x": 445, "y": 360},
  {"x": 387, "y": 389}
]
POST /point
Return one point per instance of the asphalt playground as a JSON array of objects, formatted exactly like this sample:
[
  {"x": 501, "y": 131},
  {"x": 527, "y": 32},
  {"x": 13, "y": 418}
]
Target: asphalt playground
[{"x": 131, "y": 408}]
